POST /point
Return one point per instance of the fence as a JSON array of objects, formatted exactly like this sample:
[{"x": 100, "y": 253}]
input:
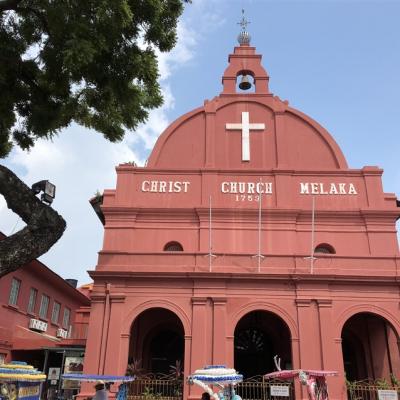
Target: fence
[
  {"x": 257, "y": 388},
  {"x": 364, "y": 390},
  {"x": 167, "y": 387},
  {"x": 160, "y": 387}
]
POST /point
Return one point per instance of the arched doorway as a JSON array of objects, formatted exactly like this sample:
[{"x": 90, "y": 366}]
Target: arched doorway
[
  {"x": 370, "y": 348},
  {"x": 157, "y": 343},
  {"x": 165, "y": 350},
  {"x": 259, "y": 336}
]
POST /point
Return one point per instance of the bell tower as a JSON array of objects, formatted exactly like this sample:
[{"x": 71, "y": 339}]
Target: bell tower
[{"x": 243, "y": 62}]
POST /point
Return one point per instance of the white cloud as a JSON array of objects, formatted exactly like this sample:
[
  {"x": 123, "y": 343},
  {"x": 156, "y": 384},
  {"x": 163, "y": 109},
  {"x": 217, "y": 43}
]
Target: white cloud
[
  {"x": 157, "y": 122},
  {"x": 181, "y": 54}
]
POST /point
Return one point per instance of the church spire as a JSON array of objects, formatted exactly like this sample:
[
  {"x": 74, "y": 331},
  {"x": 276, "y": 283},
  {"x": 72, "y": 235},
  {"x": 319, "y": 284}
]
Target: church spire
[
  {"x": 244, "y": 36},
  {"x": 244, "y": 62}
]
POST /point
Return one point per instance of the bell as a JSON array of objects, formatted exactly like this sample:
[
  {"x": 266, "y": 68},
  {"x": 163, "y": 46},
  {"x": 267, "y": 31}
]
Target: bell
[{"x": 244, "y": 83}]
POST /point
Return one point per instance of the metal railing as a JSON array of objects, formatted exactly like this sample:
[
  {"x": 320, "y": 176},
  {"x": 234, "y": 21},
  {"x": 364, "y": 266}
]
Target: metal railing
[
  {"x": 257, "y": 388},
  {"x": 366, "y": 390},
  {"x": 157, "y": 387},
  {"x": 167, "y": 387}
]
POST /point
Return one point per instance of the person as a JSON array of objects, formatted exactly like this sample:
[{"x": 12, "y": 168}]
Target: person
[
  {"x": 101, "y": 391},
  {"x": 205, "y": 396}
]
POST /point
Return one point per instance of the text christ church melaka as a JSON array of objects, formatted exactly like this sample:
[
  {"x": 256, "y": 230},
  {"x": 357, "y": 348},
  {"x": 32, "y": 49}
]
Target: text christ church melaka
[{"x": 247, "y": 236}]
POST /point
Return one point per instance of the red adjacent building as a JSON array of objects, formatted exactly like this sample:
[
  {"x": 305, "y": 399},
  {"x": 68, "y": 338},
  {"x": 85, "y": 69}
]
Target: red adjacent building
[
  {"x": 246, "y": 236},
  {"x": 43, "y": 317}
]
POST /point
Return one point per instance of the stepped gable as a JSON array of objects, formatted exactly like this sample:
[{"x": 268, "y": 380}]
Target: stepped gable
[{"x": 290, "y": 139}]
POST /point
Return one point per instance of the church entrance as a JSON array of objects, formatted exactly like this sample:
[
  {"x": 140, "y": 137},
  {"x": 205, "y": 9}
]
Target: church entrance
[
  {"x": 259, "y": 336},
  {"x": 370, "y": 350},
  {"x": 156, "y": 354}
]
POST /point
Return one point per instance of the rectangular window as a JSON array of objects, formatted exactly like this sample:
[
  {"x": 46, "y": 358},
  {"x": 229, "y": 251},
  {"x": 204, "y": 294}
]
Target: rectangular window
[
  {"x": 15, "y": 286},
  {"x": 67, "y": 315},
  {"x": 44, "y": 306},
  {"x": 55, "y": 313},
  {"x": 32, "y": 300}
]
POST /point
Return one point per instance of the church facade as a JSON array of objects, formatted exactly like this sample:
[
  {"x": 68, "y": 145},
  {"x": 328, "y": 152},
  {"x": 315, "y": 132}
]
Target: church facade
[{"x": 247, "y": 236}]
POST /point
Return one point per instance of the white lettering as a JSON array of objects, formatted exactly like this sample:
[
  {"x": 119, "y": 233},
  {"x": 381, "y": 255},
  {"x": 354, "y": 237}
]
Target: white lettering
[
  {"x": 333, "y": 189},
  {"x": 246, "y": 187},
  {"x": 165, "y": 186},
  {"x": 250, "y": 187},
  {"x": 314, "y": 188},
  {"x": 145, "y": 186},
  {"x": 154, "y": 186},
  {"x": 185, "y": 185},
  {"x": 352, "y": 189},
  {"x": 321, "y": 189},
  {"x": 177, "y": 187},
  {"x": 233, "y": 187},
  {"x": 304, "y": 188}
]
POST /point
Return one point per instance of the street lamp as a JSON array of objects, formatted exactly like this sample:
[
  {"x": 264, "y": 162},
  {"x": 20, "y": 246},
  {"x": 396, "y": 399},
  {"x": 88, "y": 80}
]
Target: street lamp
[{"x": 48, "y": 189}]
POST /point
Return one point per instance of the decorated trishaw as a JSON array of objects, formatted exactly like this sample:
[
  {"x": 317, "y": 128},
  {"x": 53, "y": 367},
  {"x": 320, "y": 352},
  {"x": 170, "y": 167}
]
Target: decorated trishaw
[
  {"x": 18, "y": 380},
  {"x": 314, "y": 380},
  {"x": 218, "y": 381},
  {"x": 107, "y": 380}
]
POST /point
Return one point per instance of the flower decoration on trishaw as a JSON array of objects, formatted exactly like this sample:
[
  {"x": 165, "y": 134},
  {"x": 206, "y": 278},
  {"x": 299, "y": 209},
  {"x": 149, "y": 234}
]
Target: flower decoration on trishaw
[
  {"x": 314, "y": 380},
  {"x": 221, "y": 378},
  {"x": 18, "y": 380}
]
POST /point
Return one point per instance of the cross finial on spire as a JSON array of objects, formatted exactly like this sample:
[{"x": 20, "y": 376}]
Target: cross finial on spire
[
  {"x": 244, "y": 37},
  {"x": 243, "y": 22}
]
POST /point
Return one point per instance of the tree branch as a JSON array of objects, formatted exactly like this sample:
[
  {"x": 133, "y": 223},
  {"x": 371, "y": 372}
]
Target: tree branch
[
  {"x": 44, "y": 225},
  {"x": 6, "y": 5}
]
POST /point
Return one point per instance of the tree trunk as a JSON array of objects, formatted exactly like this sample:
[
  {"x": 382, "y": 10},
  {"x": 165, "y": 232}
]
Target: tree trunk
[{"x": 44, "y": 226}]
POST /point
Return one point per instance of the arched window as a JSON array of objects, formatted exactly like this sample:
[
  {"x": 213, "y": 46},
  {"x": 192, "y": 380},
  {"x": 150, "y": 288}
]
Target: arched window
[
  {"x": 324, "y": 248},
  {"x": 173, "y": 246}
]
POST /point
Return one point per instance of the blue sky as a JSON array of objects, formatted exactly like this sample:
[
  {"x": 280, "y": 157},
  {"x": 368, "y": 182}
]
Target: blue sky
[{"x": 337, "y": 61}]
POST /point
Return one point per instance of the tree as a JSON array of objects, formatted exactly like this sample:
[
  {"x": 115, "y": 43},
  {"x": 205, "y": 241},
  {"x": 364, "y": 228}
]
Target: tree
[
  {"x": 93, "y": 62},
  {"x": 44, "y": 225}
]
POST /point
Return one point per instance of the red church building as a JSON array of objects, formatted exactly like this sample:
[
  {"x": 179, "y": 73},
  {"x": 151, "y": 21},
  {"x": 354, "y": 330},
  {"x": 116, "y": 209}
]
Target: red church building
[{"x": 247, "y": 236}]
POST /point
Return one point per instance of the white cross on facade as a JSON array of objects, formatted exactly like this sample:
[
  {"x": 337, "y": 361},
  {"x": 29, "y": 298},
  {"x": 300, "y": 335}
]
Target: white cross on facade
[{"x": 245, "y": 127}]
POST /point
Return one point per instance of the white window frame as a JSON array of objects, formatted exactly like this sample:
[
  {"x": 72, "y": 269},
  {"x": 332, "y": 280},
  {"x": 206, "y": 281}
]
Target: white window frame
[
  {"x": 44, "y": 306},
  {"x": 55, "y": 313},
  {"x": 14, "y": 291},
  {"x": 66, "y": 317},
  {"x": 32, "y": 300}
]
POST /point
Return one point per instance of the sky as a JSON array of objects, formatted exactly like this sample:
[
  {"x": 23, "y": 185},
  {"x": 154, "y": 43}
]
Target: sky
[{"x": 337, "y": 61}]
